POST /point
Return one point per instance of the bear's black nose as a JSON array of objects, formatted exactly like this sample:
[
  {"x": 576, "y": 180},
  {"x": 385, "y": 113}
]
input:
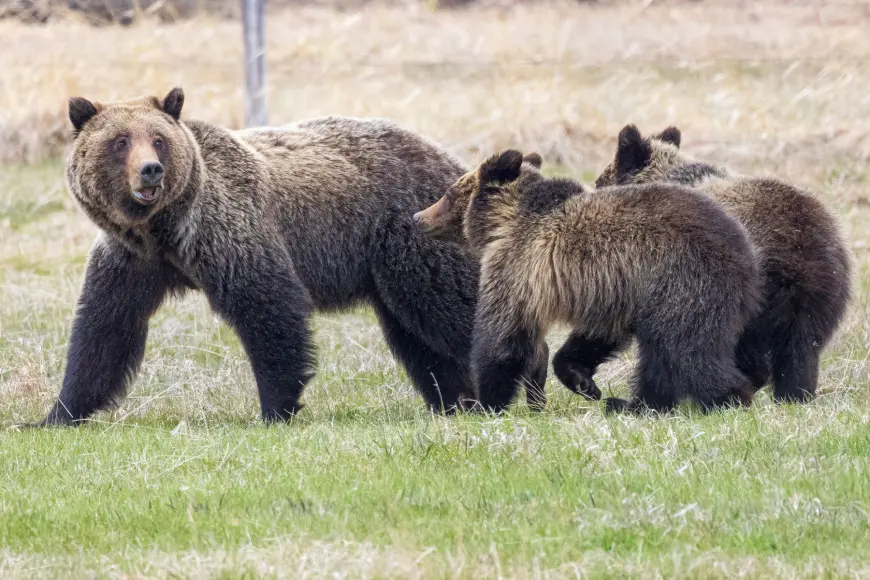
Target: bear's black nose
[{"x": 151, "y": 173}]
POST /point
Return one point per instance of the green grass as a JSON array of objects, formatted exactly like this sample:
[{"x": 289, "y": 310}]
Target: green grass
[
  {"x": 184, "y": 481},
  {"x": 523, "y": 490}
]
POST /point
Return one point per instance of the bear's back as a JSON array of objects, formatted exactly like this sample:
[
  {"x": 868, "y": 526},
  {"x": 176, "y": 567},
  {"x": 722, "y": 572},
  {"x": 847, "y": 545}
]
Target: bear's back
[
  {"x": 352, "y": 160},
  {"x": 330, "y": 187},
  {"x": 793, "y": 230}
]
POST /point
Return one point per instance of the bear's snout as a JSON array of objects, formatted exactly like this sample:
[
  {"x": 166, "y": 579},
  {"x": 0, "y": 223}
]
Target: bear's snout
[
  {"x": 151, "y": 173},
  {"x": 423, "y": 222},
  {"x": 150, "y": 182},
  {"x": 426, "y": 218}
]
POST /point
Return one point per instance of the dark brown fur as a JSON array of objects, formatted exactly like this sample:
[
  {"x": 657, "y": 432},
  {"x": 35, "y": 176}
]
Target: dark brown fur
[
  {"x": 443, "y": 221},
  {"x": 271, "y": 224},
  {"x": 657, "y": 262},
  {"x": 804, "y": 261}
]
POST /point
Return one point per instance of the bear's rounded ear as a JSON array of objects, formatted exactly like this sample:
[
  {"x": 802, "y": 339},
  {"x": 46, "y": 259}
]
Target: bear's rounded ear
[
  {"x": 632, "y": 151},
  {"x": 628, "y": 137},
  {"x": 670, "y": 135},
  {"x": 501, "y": 167},
  {"x": 173, "y": 102},
  {"x": 80, "y": 112},
  {"x": 533, "y": 159}
]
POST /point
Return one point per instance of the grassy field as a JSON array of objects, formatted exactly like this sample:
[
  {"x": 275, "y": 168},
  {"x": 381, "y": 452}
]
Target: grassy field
[{"x": 184, "y": 481}]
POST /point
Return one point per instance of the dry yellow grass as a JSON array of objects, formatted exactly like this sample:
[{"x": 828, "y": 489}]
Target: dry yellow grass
[{"x": 762, "y": 78}]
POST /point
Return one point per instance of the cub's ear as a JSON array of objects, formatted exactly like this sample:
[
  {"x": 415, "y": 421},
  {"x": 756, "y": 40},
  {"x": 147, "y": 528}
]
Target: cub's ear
[
  {"x": 632, "y": 151},
  {"x": 533, "y": 159},
  {"x": 173, "y": 102},
  {"x": 670, "y": 135},
  {"x": 80, "y": 112},
  {"x": 501, "y": 167}
]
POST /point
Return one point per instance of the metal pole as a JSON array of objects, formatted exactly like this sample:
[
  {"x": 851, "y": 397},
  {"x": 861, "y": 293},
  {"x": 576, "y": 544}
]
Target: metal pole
[{"x": 254, "y": 30}]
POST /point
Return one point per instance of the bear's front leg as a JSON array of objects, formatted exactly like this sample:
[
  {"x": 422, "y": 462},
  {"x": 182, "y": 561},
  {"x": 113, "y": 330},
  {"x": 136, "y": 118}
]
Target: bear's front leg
[
  {"x": 262, "y": 298},
  {"x": 120, "y": 293},
  {"x": 577, "y": 361}
]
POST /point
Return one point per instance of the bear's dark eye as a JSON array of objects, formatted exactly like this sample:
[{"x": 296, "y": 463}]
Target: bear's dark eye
[
  {"x": 121, "y": 143},
  {"x": 158, "y": 143}
]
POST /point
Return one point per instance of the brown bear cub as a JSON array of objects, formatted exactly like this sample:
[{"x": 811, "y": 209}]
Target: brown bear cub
[
  {"x": 270, "y": 223},
  {"x": 443, "y": 221},
  {"x": 805, "y": 265},
  {"x": 657, "y": 262}
]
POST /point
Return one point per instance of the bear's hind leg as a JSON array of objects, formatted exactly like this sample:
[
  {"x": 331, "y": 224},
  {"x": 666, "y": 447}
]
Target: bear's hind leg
[
  {"x": 713, "y": 381},
  {"x": 796, "y": 364},
  {"x": 655, "y": 382},
  {"x": 752, "y": 356},
  {"x": 425, "y": 293},
  {"x": 443, "y": 382},
  {"x": 429, "y": 287}
]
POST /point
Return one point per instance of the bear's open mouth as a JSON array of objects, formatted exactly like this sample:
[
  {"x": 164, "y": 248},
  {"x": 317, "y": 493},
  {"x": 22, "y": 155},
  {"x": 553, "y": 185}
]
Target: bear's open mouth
[{"x": 146, "y": 195}]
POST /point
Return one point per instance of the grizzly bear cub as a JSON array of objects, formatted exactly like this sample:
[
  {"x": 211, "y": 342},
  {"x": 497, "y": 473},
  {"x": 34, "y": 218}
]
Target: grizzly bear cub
[
  {"x": 270, "y": 224},
  {"x": 805, "y": 265},
  {"x": 658, "y": 262}
]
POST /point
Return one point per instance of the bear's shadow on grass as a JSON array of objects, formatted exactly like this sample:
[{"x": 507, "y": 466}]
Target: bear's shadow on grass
[
  {"x": 318, "y": 414},
  {"x": 561, "y": 405}
]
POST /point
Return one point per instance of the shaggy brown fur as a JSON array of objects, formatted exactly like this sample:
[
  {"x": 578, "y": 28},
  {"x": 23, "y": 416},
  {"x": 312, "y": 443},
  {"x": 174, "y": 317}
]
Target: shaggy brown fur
[
  {"x": 804, "y": 261},
  {"x": 443, "y": 221},
  {"x": 270, "y": 224},
  {"x": 657, "y": 262}
]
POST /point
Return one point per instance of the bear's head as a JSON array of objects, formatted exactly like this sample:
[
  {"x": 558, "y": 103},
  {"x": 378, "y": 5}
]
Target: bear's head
[
  {"x": 129, "y": 159},
  {"x": 447, "y": 218},
  {"x": 642, "y": 160}
]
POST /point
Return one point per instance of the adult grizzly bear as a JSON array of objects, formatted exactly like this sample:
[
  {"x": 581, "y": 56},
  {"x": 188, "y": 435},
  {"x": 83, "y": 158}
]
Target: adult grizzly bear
[
  {"x": 658, "y": 262},
  {"x": 804, "y": 261},
  {"x": 270, "y": 224}
]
